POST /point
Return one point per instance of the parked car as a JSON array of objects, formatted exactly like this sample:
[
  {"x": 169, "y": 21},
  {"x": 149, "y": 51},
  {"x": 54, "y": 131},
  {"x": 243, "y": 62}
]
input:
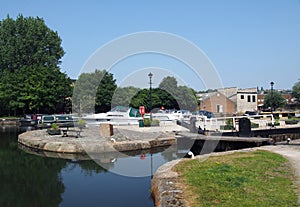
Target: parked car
[
  {"x": 208, "y": 114},
  {"x": 64, "y": 120},
  {"x": 46, "y": 121},
  {"x": 254, "y": 114}
]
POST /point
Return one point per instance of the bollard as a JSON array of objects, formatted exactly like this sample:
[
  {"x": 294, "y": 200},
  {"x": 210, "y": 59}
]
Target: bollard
[{"x": 106, "y": 130}]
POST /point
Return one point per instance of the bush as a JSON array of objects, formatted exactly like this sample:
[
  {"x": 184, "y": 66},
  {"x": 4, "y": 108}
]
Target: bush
[
  {"x": 226, "y": 127},
  {"x": 81, "y": 123},
  {"x": 54, "y": 126},
  {"x": 291, "y": 121},
  {"x": 275, "y": 124},
  {"x": 254, "y": 125},
  {"x": 54, "y": 130},
  {"x": 155, "y": 122},
  {"x": 147, "y": 123}
]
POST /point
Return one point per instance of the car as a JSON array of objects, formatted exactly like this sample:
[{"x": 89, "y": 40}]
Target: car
[
  {"x": 206, "y": 113},
  {"x": 254, "y": 114}
]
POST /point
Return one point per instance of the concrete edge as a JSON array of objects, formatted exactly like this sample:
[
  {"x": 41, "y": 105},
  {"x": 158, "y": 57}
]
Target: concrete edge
[{"x": 40, "y": 142}]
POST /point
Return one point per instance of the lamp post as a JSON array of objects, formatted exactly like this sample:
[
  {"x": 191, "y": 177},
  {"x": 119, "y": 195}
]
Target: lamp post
[
  {"x": 272, "y": 84},
  {"x": 150, "y": 75},
  {"x": 271, "y": 99}
]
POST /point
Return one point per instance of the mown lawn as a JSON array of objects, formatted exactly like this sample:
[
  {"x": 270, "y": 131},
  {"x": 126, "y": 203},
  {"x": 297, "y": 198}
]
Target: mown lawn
[{"x": 257, "y": 178}]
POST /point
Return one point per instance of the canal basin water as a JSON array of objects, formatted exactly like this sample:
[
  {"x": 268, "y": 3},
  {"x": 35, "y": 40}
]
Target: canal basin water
[{"x": 33, "y": 180}]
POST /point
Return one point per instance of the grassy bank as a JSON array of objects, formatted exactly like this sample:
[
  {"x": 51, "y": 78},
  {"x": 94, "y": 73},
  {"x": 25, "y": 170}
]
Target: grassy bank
[{"x": 257, "y": 178}]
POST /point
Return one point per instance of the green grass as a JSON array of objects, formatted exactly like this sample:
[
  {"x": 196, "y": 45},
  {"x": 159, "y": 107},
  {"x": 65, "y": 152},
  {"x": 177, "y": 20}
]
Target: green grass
[{"x": 241, "y": 179}]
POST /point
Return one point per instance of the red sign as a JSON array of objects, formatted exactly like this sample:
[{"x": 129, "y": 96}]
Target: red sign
[
  {"x": 142, "y": 110},
  {"x": 142, "y": 156}
]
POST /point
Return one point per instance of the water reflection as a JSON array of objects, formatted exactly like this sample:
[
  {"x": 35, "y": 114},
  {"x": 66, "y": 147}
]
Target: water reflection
[
  {"x": 27, "y": 180},
  {"x": 140, "y": 163},
  {"x": 31, "y": 178}
]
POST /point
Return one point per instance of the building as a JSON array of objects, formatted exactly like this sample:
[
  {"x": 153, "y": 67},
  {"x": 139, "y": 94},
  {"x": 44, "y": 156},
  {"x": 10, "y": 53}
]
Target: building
[
  {"x": 246, "y": 100},
  {"x": 217, "y": 103},
  {"x": 229, "y": 100}
]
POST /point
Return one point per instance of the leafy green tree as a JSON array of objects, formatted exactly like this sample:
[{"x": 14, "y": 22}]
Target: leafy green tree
[
  {"x": 142, "y": 98},
  {"x": 123, "y": 96},
  {"x": 30, "y": 79},
  {"x": 168, "y": 84},
  {"x": 93, "y": 92},
  {"x": 105, "y": 91},
  {"x": 186, "y": 98},
  {"x": 274, "y": 100},
  {"x": 166, "y": 99},
  {"x": 296, "y": 91},
  {"x": 83, "y": 100},
  {"x": 178, "y": 97}
]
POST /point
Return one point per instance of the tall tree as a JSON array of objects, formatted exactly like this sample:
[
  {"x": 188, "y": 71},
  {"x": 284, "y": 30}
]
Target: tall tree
[
  {"x": 93, "y": 92},
  {"x": 274, "y": 100},
  {"x": 168, "y": 84},
  {"x": 30, "y": 54},
  {"x": 123, "y": 96},
  {"x": 186, "y": 98},
  {"x": 296, "y": 91},
  {"x": 105, "y": 91}
]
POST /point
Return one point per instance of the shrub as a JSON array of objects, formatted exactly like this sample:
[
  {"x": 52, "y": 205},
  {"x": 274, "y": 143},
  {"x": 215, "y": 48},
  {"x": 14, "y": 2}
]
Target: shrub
[
  {"x": 155, "y": 122},
  {"x": 291, "y": 121},
  {"x": 81, "y": 123},
  {"x": 254, "y": 125},
  {"x": 54, "y": 126},
  {"x": 226, "y": 127},
  {"x": 147, "y": 123}
]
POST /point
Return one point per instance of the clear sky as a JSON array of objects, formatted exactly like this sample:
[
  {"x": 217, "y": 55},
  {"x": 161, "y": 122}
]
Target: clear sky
[{"x": 250, "y": 42}]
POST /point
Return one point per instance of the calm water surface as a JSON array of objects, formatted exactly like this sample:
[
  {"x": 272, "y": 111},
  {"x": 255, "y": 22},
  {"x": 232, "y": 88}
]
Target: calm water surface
[{"x": 33, "y": 180}]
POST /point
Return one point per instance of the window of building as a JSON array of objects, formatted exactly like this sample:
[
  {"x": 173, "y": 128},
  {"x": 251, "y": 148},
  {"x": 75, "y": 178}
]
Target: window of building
[
  {"x": 253, "y": 99},
  {"x": 249, "y": 98},
  {"x": 219, "y": 108},
  {"x": 242, "y": 96}
]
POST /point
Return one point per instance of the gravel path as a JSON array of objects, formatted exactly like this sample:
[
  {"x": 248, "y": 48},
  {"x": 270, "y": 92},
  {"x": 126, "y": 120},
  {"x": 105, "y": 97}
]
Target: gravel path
[{"x": 292, "y": 153}]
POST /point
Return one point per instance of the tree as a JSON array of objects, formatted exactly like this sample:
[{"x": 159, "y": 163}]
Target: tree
[
  {"x": 105, "y": 91},
  {"x": 178, "y": 97},
  {"x": 30, "y": 79},
  {"x": 142, "y": 98},
  {"x": 168, "y": 84},
  {"x": 296, "y": 91},
  {"x": 186, "y": 98},
  {"x": 274, "y": 100},
  {"x": 123, "y": 96},
  {"x": 93, "y": 92}
]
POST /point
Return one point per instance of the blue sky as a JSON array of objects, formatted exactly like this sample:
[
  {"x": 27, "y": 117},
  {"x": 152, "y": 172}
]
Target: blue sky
[{"x": 250, "y": 42}]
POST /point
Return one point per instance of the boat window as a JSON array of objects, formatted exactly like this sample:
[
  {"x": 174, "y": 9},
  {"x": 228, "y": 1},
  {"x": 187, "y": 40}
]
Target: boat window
[{"x": 119, "y": 109}]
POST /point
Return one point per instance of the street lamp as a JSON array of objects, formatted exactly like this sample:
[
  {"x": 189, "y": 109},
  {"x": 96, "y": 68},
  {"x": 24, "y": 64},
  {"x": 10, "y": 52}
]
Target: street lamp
[
  {"x": 272, "y": 84},
  {"x": 271, "y": 99},
  {"x": 150, "y": 77}
]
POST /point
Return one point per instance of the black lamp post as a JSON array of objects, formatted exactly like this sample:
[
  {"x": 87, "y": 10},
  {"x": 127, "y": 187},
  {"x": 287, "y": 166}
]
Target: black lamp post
[
  {"x": 272, "y": 84},
  {"x": 272, "y": 101},
  {"x": 150, "y": 77}
]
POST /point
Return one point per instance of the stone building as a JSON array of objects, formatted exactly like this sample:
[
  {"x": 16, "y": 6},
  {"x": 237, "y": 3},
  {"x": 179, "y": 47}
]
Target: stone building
[
  {"x": 229, "y": 101},
  {"x": 217, "y": 103},
  {"x": 246, "y": 100}
]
